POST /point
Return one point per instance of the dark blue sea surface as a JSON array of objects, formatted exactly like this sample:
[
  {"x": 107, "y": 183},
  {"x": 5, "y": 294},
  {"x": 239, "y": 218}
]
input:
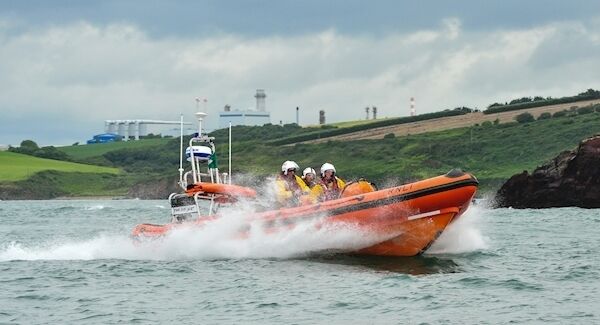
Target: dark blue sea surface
[{"x": 73, "y": 262}]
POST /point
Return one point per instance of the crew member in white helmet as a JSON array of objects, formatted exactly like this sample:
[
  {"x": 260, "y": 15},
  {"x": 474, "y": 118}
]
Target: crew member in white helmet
[
  {"x": 308, "y": 176},
  {"x": 290, "y": 187},
  {"x": 330, "y": 185}
]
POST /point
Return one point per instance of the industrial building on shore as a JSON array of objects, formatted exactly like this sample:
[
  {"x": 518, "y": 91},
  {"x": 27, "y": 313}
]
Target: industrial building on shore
[
  {"x": 257, "y": 116},
  {"x": 125, "y": 130}
]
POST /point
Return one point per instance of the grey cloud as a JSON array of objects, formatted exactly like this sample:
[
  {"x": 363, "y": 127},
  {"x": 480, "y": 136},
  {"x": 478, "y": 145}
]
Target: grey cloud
[{"x": 82, "y": 73}]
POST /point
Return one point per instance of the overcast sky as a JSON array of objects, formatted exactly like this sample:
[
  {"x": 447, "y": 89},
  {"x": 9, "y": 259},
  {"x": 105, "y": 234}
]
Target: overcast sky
[{"x": 66, "y": 66}]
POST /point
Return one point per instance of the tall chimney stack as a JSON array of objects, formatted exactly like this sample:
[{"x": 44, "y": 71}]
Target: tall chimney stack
[
  {"x": 260, "y": 100},
  {"x": 321, "y": 117}
]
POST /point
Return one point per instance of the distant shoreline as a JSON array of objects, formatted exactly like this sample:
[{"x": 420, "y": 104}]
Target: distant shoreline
[{"x": 93, "y": 197}]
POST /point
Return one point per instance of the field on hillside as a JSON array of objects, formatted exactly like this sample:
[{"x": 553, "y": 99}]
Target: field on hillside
[
  {"x": 14, "y": 166},
  {"x": 97, "y": 149},
  {"x": 451, "y": 122}
]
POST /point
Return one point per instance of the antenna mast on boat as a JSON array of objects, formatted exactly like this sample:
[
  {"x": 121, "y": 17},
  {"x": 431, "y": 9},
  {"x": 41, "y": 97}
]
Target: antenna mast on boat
[
  {"x": 195, "y": 164},
  {"x": 181, "y": 152}
]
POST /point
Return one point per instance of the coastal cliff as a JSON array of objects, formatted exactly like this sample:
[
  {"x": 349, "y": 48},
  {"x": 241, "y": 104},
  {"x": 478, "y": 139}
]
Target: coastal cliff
[{"x": 572, "y": 179}]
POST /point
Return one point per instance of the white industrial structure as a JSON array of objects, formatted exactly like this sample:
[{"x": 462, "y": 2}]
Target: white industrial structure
[
  {"x": 257, "y": 116},
  {"x": 133, "y": 128},
  {"x": 413, "y": 109}
]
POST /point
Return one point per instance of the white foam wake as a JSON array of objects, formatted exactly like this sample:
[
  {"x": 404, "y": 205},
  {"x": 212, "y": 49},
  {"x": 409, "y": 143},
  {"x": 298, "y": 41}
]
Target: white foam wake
[
  {"x": 462, "y": 236},
  {"x": 94, "y": 207},
  {"x": 220, "y": 239}
]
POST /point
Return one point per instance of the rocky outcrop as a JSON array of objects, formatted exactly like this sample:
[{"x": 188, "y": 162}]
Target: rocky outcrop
[
  {"x": 572, "y": 179},
  {"x": 154, "y": 189}
]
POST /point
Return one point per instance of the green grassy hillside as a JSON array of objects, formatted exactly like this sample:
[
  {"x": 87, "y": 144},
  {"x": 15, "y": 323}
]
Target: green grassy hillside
[
  {"x": 14, "y": 166},
  {"x": 492, "y": 152}
]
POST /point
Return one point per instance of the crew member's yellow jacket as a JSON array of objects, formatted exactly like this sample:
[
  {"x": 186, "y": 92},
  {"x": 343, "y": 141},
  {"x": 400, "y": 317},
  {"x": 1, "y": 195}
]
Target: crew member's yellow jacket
[
  {"x": 288, "y": 192},
  {"x": 328, "y": 191}
]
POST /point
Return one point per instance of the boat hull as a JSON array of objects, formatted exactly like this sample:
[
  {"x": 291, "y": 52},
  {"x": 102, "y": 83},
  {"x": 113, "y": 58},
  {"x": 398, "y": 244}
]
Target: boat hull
[{"x": 404, "y": 220}]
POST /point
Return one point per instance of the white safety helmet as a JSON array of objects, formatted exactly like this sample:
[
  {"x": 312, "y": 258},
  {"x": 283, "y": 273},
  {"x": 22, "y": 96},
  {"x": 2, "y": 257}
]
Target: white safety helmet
[
  {"x": 325, "y": 167},
  {"x": 287, "y": 165},
  {"x": 308, "y": 171}
]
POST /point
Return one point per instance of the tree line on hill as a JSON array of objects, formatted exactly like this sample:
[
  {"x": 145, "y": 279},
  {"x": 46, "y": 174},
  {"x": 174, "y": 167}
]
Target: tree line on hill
[
  {"x": 538, "y": 101},
  {"x": 29, "y": 147},
  {"x": 527, "y": 117}
]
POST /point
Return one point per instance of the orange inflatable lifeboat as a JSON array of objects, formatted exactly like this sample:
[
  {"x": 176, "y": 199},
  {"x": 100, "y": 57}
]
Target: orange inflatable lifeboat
[{"x": 407, "y": 219}]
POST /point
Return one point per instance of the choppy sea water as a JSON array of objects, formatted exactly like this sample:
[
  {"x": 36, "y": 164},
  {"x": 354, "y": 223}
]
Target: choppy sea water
[{"x": 73, "y": 262}]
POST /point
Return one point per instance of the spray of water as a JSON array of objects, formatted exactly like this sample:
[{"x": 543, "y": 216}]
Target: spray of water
[
  {"x": 464, "y": 235},
  {"x": 222, "y": 238}
]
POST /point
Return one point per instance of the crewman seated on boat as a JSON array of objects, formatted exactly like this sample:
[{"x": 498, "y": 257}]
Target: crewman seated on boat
[
  {"x": 330, "y": 185},
  {"x": 308, "y": 176},
  {"x": 290, "y": 187}
]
